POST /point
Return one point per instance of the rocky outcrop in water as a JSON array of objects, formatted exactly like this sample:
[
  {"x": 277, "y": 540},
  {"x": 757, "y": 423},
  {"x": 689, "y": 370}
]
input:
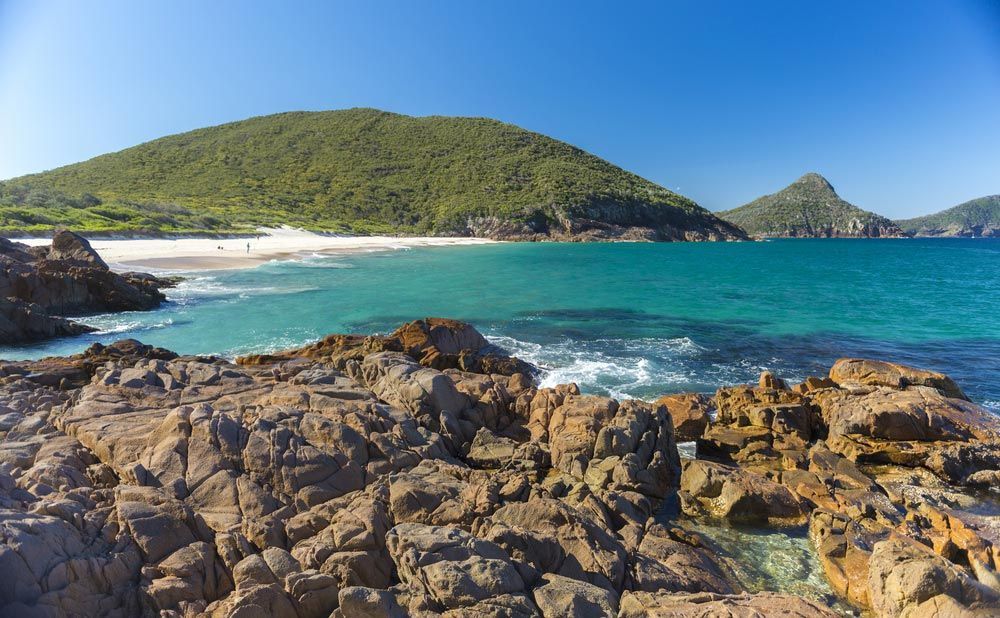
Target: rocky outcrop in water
[
  {"x": 885, "y": 462},
  {"x": 394, "y": 475},
  {"x": 43, "y": 285}
]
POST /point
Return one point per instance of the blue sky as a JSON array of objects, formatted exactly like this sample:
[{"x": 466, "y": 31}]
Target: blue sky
[{"x": 896, "y": 103}]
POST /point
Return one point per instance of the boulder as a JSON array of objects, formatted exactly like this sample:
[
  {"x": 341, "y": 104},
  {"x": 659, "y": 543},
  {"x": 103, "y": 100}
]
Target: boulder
[
  {"x": 724, "y": 492},
  {"x": 42, "y": 284},
  {"x": 453, "y": 569},
  {"x": 21, "y": 322},
  {"x": 851, "y": 371},
  {"x": 68, "y": 246},
  {"x": 552, "y": 537},
  {"x": 690, "y": 412},
  {"x": 628, "y": 446},
  {"x": 671, "y": 560},
  {"x": 904, "y": 574},
  {"x": 558, "y": 596}
]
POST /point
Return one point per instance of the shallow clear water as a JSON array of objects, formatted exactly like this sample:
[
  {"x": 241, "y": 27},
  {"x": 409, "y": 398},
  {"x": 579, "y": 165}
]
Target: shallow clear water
[
  {"x": 774, "y": 559},
  {"x": 624, "y": 319}
]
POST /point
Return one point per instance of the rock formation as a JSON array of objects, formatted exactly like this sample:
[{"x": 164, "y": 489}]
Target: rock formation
[
  {"x": 883, "y": 461},
  {"x": 424, "y": 473},
  {"x": 40, "y": 286}
]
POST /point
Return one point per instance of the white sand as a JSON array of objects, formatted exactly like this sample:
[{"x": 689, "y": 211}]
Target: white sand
[{"x": 273, "y": 243}]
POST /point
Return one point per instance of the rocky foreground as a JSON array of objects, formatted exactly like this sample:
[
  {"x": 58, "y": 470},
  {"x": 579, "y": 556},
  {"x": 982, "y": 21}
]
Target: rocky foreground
[
  {"x": 41, "y": 286},
  {"x": 424, "y": 473}
]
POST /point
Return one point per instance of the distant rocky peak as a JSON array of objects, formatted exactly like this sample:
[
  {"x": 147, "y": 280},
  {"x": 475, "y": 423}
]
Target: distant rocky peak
[{"x": 815, "y": 182}]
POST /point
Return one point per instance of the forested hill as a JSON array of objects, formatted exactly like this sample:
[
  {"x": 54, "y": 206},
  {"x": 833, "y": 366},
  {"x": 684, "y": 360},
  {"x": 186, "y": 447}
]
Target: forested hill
[
  {"x": 809, "y": 208},
  {"x": 358, "y": 171},
  {"x": 978, "y": 217}
]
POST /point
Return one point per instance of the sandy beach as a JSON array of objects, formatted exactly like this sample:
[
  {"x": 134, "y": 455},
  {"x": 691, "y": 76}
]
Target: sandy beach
[{"x": 227, "y": 253}]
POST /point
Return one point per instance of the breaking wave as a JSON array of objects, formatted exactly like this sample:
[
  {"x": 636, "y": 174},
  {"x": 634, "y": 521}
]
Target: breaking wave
[{"x": 621, "y": 368}]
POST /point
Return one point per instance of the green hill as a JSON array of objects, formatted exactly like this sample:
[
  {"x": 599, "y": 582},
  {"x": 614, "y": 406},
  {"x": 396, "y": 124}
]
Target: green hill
[
  {"x": 360, "y": 171},
  {"x": 979, "y": 217},
  {"x": 808, "y": 208}
]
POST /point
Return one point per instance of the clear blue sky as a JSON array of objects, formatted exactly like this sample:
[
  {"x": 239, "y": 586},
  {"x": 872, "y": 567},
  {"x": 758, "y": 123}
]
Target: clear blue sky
[{"x": 896, "y": 102}]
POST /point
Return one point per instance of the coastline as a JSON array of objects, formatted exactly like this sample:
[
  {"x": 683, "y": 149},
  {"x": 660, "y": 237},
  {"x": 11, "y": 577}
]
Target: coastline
[
  {"x": 770, "y": 468},
  {"x": 231, "y": 253}
]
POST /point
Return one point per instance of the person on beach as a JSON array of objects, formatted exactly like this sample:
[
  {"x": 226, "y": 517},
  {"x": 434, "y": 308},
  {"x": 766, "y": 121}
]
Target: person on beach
[{"x": 248, "y": 247}]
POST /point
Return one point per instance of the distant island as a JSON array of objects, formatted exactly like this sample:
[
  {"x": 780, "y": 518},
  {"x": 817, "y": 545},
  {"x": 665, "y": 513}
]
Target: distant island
[
  {"x": 357, "y": 171},
  {"x": 809, "y": 208},
  {"x": 979, "y": 217}
]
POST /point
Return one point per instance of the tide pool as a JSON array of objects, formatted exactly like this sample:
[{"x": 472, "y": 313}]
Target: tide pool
[{"x": 634, "y": 320}]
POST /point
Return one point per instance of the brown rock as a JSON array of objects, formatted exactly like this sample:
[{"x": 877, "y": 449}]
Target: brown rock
[
  {"x": 713, "y": 490},
  {"x": 770, "y": 381},
  {"x": 881, "y": 373},
  {"x": 558, "y": 596},
  {"x": 673, "y": 561},
  {"x": 904, "y": 574},
  {"x": 587, "y": 551},
  {"x": 660, "y": 604},
  {"x": 690, "y": 413}
]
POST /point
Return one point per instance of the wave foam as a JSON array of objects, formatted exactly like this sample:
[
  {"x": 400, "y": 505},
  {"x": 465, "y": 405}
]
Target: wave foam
[
  {"x": 199, "y": 288},
  {"x": 619, "y": 368},
  {"x": 128, "y": 326}
]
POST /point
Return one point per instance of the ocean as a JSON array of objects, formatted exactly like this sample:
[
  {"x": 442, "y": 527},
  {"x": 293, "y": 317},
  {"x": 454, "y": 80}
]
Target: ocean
[{"x": 627, "y": 320}]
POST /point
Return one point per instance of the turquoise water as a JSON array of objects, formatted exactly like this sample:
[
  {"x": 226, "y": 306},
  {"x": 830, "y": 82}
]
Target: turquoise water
[{"x": 623, "y": 319}]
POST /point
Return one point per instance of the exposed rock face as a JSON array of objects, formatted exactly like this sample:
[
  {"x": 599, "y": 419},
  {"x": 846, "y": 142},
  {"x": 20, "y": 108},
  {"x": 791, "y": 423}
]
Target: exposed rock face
[
  {"x": 22, "y": 321},
  {"x": 729, "y": 493},
  {"x": 356, "y": 480},
  {"x": 651, "y": 605},
  {"x": 856, "y": 371},
  {"x": 68, "y": 278},
  {"x": 690, "y": 413},
  {"x": 903, "y": 575},
  {"x": 608, "y": 222},
  {"x": 193, "y": 486},
  {"x": 439, "y": 343},
  {"x": 877, "y": 456}
]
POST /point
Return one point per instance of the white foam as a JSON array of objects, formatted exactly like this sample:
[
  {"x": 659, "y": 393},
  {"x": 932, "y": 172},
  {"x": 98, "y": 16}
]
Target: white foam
[
  {"x": 626, "y": 371},
  {"x": 209, "y": 287},
  {"x": 110, "y": 324}
]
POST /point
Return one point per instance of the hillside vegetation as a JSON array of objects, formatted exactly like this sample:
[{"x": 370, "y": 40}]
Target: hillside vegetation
[
  {"x": 358, "y": 170},
  {"x": 810, "y": 208},
  {"x": 978, "y": 217}
]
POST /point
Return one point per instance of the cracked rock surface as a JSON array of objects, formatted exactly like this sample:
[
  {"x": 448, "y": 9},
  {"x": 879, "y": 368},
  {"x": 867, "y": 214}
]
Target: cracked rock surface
[{"x": 424, "y": 473}]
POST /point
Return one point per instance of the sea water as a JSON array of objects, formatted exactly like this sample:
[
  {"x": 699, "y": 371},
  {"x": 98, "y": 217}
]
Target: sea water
[
  {"x": 627, "y": 320},
  {"x": 624, "y": 319}
]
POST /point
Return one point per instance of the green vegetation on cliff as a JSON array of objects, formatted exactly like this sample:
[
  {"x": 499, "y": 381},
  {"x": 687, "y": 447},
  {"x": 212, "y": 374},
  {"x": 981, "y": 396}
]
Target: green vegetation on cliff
[
  {"x": 979, "y": 217},
  {"x": 357, "y": 170},
  {"x": 809, "y": 208}
]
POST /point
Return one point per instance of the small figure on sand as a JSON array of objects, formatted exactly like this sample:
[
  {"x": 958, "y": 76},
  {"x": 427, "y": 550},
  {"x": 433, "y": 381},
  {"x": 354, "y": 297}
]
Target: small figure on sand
[{"x": 248, "y": 247}]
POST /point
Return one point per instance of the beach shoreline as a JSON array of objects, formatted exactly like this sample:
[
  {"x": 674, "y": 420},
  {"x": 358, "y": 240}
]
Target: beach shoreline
[{"x": 192, "y": 254}]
